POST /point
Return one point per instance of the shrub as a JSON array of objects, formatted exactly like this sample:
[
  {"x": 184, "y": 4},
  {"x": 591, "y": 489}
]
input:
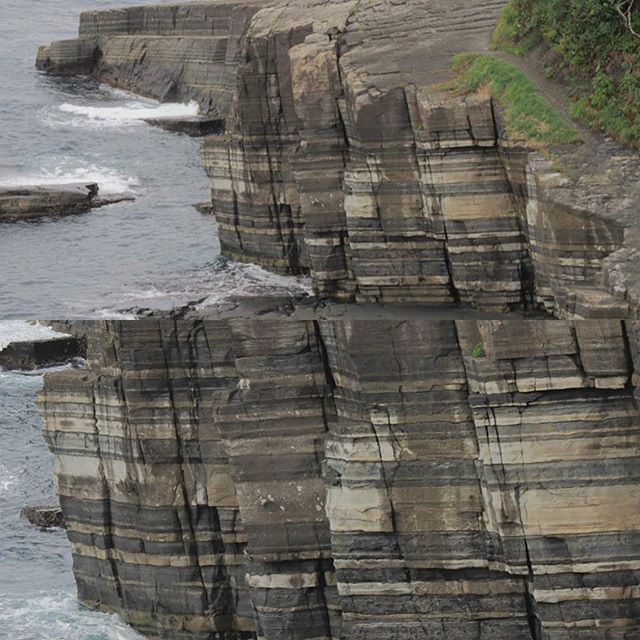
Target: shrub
[
  {"x": 596, "y": 51},
  {"x": 530, "y": 117},
  {"x": 478, "y": 351}
]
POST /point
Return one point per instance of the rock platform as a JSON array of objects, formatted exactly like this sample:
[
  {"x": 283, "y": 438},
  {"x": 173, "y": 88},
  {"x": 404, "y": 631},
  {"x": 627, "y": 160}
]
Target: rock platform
[{"x": 52, "y": 201}]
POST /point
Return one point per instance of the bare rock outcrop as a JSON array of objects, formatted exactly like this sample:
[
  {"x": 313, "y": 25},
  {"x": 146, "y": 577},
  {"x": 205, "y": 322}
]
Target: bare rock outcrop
[
  {"x": 344, "y": 156},
  {"x": 27, "y": 355},
  {"x": 52, "y": 201},
  {"x": 283, "y": 480},
  {"x": 172, "y": 52}
]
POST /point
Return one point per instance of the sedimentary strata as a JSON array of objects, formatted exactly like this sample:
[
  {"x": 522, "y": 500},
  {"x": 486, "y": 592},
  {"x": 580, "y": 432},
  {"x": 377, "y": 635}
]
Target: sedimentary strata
[
  {"x": 37, "y": 354},
  {"x": 467, "y": 480},
  {"x": 43, "y": 516},
  {"x": 54, "y": 201},
  {"x": 177, "y": 52},
  {"x": 345, "y": 157}
]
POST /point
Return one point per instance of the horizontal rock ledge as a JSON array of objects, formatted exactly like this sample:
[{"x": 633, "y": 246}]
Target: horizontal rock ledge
[
  {"x": 43, "y": 516},
  {"x": 36, "y": 354},
  {"x": 32, "y": 202}
]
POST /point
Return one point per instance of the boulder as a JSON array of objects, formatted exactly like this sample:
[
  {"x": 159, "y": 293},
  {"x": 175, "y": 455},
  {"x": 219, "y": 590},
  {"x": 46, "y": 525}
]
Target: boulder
[
  {"x": 37, "y": 354},
  {"x": 45, "y": 517}
]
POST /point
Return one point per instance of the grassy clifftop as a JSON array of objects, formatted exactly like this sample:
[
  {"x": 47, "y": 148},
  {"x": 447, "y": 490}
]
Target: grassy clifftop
[
  {"x": 529, "y": 116},
  {"x": 593, "y": 49}
]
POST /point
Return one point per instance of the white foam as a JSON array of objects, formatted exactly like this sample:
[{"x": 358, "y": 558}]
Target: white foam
[
  {"x": 108, "y": 180},
  {"x": 7, "y": 480},
  {"x": 131, "y": 112},
  {"x": 23, "y": 330},
  {"x": 60, "y": 617},
  {"x": 110, "y": 314},
  {"x": 214, "y": 284}
]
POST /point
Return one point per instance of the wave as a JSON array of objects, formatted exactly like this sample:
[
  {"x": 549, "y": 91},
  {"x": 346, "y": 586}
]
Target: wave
[
  {"x": 7, "y": 480},
  {"x": 131, "y": 112},
  {"x": 212, "y": 284},
  {"x": 108, "y": 180},
  {"x": 61, "y": 617},
  {"x": 23, "y": 330}
]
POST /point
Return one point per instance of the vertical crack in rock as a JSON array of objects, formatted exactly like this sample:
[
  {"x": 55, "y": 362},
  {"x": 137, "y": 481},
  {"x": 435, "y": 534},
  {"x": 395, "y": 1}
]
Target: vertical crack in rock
[
  {"x": 313, "y": 96},
  {"x": 354, "y": 479}
]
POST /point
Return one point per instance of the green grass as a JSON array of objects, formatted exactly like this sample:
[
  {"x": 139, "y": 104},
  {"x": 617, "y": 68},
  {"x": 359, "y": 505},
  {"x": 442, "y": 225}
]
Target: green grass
[
  {"x": 478, "y": 351},
  {"x": 593, "y": 50},
  {"x": 530, "y": 117}
]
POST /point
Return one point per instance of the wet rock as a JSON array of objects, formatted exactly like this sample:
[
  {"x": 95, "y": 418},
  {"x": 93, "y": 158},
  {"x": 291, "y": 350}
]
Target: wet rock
[
  {"x": 196, "y": 126},
  {"x": 35, "y": 202},
  {"x": 45, "y": 517},
  {"x": 204, "y": 207},
  {"x": 103, "y": 201},
  {"x": 473, "y": 480},
  {"x": 346, "y": 158},
  {"x": 37, "y": 354},
  {"x": 25, "y": 203},
  {"x": 171, "y": 52}
]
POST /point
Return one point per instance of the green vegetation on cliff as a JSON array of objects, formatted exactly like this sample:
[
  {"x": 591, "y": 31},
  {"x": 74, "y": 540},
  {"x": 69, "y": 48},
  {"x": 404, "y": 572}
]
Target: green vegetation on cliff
[
  {"x": 594, "y": 48},
  {"x": 530, "y": 117}
]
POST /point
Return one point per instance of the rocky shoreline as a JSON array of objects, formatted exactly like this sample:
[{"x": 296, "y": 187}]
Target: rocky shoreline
[
  {"x": 274, "y": 479},
  {"x": 373, "y": 178},
  {"x": 42, "y": 347},
  {"x": 414, "y": 452},
  {"x": 52, "y": 201}
]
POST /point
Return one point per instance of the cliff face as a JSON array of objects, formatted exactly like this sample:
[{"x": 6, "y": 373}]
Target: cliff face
[
  {"x": 178, "y": 52},
  {"x": 302, "y": 480},
  {"x": 346, "y": 158}
]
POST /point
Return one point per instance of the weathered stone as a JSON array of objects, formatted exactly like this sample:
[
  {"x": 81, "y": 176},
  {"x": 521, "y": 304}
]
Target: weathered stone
[
  {"x": 195, "y": 126},
  {"x": 34, "y": 202},
  {"x": 354, "y": 479},
  {"x": 345, "y": 156},
  {"x": 37, "y": 354},
  {"x": 45, "y": 517},
  {"x": 172, "y": 52},
  {"x": 23, "y": 203}
]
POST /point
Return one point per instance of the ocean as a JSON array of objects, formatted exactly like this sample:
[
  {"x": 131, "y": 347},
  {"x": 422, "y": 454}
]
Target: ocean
[
  {"x": 154, "y": 252},
  {"x": 37, "y": 591}
]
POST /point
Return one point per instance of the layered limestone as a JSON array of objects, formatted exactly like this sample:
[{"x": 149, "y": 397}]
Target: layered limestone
[
  {"x": 52, "y": 201},
  {"x": 172, "y": 52},
  {"x": 466, "y": 480},
  {"x": 346, "y": 157},
  {"x": 349, "y": 159}
]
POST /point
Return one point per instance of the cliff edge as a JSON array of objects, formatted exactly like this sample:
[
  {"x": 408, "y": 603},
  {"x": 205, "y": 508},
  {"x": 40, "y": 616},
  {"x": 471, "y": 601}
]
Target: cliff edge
[
  {"x": 347, "y": 157},
  {"x": 471, "y": 480}
]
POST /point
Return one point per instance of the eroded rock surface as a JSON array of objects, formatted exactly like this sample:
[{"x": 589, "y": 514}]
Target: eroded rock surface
[
  {"x": 471, "y": 480},
  {"x": 27, "y": 355},
  {"x": 345, "y": 157},
  {"x": 172, "y": 52},
  {"x": 43, "y": 516},
  {"x": 53, "y": 201}
]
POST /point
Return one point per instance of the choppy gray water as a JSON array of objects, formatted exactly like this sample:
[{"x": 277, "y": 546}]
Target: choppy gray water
[
  {"x": 62, "y": 130},
  {"x": 37, "y": 591}
]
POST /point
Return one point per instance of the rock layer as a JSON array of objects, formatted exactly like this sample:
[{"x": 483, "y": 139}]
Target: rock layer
[
  {"x": 52, "y": 201},
  {"x": 176, "y": 52},
  {"x": 347, "y": 158},
  {"x": 36, "y": 354},
  {"x": 466, "y": 480}
]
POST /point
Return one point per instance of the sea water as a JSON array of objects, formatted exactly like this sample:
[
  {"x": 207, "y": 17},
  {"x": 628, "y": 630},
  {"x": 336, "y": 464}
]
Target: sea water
[
  {"x": 37, "y": 591},
  {"x": 60, "y": 130}
]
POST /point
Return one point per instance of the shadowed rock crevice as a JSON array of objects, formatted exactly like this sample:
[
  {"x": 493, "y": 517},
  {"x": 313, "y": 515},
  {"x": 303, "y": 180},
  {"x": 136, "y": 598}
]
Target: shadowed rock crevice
[
  {"x": 347, "y": 156},
  {"x": 354, "y": 479}
]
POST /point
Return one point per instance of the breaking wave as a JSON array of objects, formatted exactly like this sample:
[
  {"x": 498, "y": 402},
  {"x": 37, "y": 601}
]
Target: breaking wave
[
  {"x": 131, "y": 112},
  {"x": 60, "y": 617},
  {"x": 109, "y": 181},
  {"x": 22, "y": 330}
]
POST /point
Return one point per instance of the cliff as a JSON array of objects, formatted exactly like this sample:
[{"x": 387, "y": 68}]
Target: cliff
[
  {"x": 470, "y": 480},
  {"x": 346, "y": 157}
]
